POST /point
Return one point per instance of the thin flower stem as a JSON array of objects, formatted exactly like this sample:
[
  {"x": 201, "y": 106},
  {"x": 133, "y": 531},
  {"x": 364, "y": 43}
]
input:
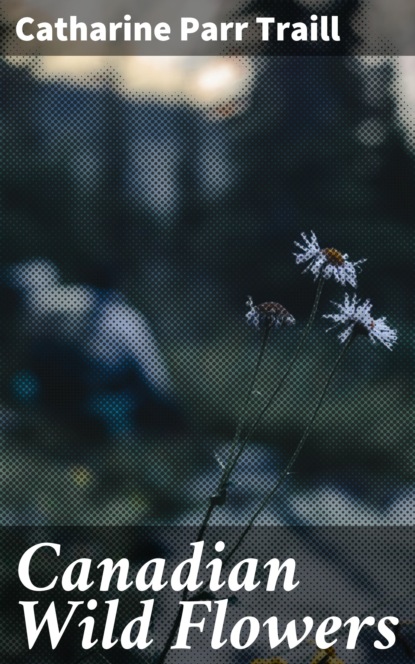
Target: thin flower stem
[
  {"x": 233, "y": 459},
  {"x": 282, "y": 380},
  {"x": 230, "y": 464},
  {"x": 270, "y": 494},
  {"x": 267, "y": 499},
  {"x": 215, "y": 500},
  {"x": 265, "y": 337}
]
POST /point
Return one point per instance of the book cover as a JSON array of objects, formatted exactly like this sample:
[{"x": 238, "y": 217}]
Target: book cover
[{"x": 206, "y": 405}]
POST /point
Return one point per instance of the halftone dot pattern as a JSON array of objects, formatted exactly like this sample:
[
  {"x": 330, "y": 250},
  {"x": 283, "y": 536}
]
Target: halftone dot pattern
[
  {"x": 341, "y": 572},
  {"x": 367, "y": 28},
  {"x": 167, "y": 171},
  {"x": 135, "y": 229}
]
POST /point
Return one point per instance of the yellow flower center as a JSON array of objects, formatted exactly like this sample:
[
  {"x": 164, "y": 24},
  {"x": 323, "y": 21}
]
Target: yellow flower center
[{"x": 333, "y": 256}]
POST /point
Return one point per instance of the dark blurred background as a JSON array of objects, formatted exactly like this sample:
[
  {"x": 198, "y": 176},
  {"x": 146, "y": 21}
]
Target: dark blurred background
[{"x": 134, "y": 225}]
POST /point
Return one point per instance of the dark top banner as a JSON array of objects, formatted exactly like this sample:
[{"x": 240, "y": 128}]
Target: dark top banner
[{"x": 232, "y": 27}]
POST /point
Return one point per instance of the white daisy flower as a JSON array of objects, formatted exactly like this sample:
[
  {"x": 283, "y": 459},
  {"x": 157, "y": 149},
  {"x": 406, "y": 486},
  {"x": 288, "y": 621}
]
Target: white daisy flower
[
  {"x": 327, "y": 262},
  {"x": 268, "y": 314},
  {"x": 357, "y": 317}
]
